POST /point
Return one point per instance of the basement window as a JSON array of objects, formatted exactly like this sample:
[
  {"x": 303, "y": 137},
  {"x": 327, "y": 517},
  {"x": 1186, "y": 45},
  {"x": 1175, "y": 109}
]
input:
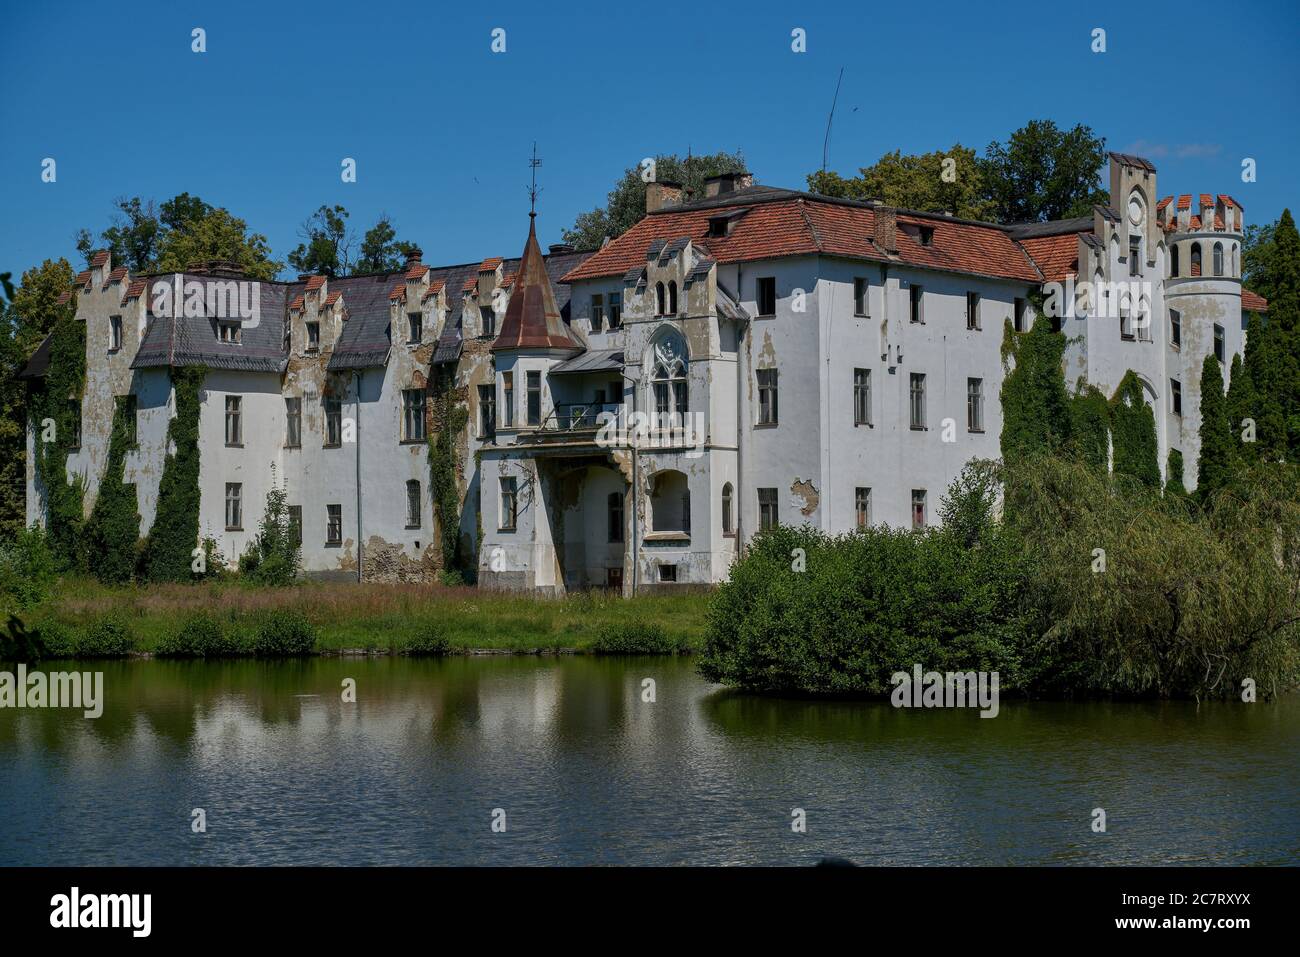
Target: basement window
[{"x": 668, "y": 573}]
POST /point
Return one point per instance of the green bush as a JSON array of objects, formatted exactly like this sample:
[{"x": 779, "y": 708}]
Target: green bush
[
  {"x": 105, "y": 638},
  {"x": 27, "y": 570},
  {"x": 635, "y": 638},
  {"x": 274, "y": 556},
  {"x": 200, "y": 636},
  {"x": 429, "y": 643},
  {"x": 851, "y": 610},
  {"x": 56, "y": 640},
  {"x": 284, "y": 634}
]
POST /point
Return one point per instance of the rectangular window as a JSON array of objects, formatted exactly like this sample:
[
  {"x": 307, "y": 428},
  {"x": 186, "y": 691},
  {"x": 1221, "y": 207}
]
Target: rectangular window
[
  {"x": 487, "y": 411},
  {"x": 412, "y": 415},
  {"x": 333, "y": 421},
  {"x": 508, "y": 390},
  {"x": 534, "y": 382},
  {"x": 488, "y": 320},
  {"x": 234, "y": 425},
  {"x": 412, "y": 504},
  {"x": 1218, "y": 342},
  {"x": 917, "y": 404},
  {"x": 114, "y": 333},
  {"x": 1125, "y": 322},
  {"x": 234, "y": 506},
  {"x": 861, "y": 297},
  {"x": 767, "y": 509},
  {"x": 1134, "y": 255},
  {"x": 415, "y": 327},
  {"x": 131, "y": 415},
  {"x": 1176, "y": 396},
  {"x": 615, "y": 516},
  {"x": 509, "y": 504},
  {"x": 1018, "y": 315},
  {"x": 74, "y": 416},
  {"x": 972, "y": 310},
  {"x": 615, "y": 319},
  {"x": 767, "y": 397},
  {"x": 926, "y": 235},
  {"x": 918, "y": 508},
  {"x": 597, "y": 311},
  {"x": 1175, "y": 328},
  {"x": 1142, "y": 313},
  {"x": 975, "y": 405},
  {"x": 333, "y": 524},
  {"x": 228, "y": 332},
  {"x": 313, "y": 336},
  {"x": 295, "y": 524},
  {"x": 861, "y": 396},
  {"x": 766, "y": 296},
  {"x": 862, "y": 507},
  {"x": 915, "y": 295},
  {"x": 293, "y": 423},
  {"x": 668, "y": 573}
]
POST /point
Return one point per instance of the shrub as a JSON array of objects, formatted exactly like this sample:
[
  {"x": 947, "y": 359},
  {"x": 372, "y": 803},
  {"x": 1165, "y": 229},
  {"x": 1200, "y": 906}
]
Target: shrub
[
  {"x": 56, "y": 640},
  {"x": 428, "y": 643},
  {"x": 200, "y": 636},
  {"x": 284, "y": 634},
  {"x": 105, "y": 638},
  {"x": 635, "y": 638},
  {"x": 274, "y": 556},
  {"x": 27, "y": 570}
]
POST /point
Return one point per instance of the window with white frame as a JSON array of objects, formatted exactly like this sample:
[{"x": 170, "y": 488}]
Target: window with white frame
[{"x": 861, "y": 396}]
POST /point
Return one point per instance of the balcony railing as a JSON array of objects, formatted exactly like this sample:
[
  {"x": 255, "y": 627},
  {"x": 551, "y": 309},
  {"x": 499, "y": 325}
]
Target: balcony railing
[{"x": 582, "y": 416}]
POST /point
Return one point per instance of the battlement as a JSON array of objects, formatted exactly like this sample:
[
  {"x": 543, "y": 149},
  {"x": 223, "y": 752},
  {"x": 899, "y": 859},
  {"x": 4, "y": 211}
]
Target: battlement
[{"x": 1200, "y": 213}]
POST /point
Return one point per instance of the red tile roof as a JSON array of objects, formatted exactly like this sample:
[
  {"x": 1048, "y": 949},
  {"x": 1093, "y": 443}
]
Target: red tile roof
[
  {"x": 1056, "y": 256},
  {"x": 136, "y": 289},
  {"x": 508, "y": 280},
  {"x": 1229, "y": 201},
  {"x": 99, "y": 258},
  {"x": 1253, "y": 301},
  {"x": 1164, "y": 202},
  {"x": 802, "y": 225},
  {"x": 398, "y": 294},
  {"x": 471, "y": 282},
  {"x": 435, "y": 287},
  {"x": 118, "y": 274},
  {"x": 490, "y": 264},
  {"x": 297, "y": 303},
  {"x": 416, "y": 272},
  {"x": 1185, "y": 201},
  {"x": 83, "y": 278},
  {"x": 332, "y": 298},
  {"x": 314, "y": 283},
  {"x": 1207, "y": 199}
]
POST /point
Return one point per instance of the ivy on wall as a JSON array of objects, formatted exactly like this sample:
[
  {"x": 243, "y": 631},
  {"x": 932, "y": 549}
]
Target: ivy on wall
[
  {"x": 113, "y": 531},
  {"x": 168, "y": 550},
  {"x": 1133, "y": 433},
  {"x": 59, "y": 403},
  {"x": 449, "y": 417},
  {"x": 1091, "y": 426}
]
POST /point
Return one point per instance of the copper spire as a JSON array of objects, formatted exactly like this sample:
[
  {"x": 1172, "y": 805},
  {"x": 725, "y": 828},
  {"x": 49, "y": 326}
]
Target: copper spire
[{"x": 532, "y": 319}]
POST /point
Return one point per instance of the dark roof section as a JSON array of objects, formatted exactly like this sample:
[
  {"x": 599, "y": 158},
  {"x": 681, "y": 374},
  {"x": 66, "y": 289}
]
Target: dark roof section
[
  {"x": 364, "y": 341},
  {"x": 191, "y": 341},
  {"x": 597, "y": 360},
  {"x": 533, "y": 319},
  {"x": 39, "y": 363},
  {"x": 1055, "y": 227},
  {"x": 1126, "y": 159}
]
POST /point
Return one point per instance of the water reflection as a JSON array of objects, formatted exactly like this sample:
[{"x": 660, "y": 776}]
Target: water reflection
[{"x": 589, "y": 773}]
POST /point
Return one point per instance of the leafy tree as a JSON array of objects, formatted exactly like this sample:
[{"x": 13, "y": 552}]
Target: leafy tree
[
  {"x": 1174, "y": 474},
  {"x": 113, "y": 530},
  {"x": 1133, "y": 432},
  {"x": 217, "y": 235},
  {"x": 381, "y": 250},
  {"x": 174, "y": 535},
  {"x": 1240, "y": 406},
  {"x": 274, "y": 556},
  {"x": 132, "y": 238},
  {"x": 327, "y": 244},
  {"x": 916, "y": 182},
  {"x": 625, "y": 204},
  {"x": 1090, "y": 427},
  {"x": 1043, "y": 172},
  {"x": 1214, "y": 466}
]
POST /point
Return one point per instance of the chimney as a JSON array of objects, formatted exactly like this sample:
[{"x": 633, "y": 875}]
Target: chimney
[
  {"x": 662, "y": 195},
  {"x": 559, "y": 249},
  {"x": 886, "y": 229},
  {"x": 414, "y": 256},
  {"x": 727, "y": 183}
]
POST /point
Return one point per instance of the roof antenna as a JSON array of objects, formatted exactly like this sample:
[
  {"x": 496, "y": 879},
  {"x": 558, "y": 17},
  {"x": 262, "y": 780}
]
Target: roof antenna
[
  {"x": 533, "y": 190},
  {"x": 826, "y": 144}
]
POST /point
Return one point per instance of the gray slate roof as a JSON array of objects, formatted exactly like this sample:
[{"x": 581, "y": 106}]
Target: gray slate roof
[
  {"x": 596, "y": 360},
  {"x": 191, "y": 341}
]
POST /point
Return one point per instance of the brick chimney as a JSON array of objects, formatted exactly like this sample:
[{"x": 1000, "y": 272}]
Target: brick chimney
[
  {"x": 727, "y": 183},
  {"x": 662, "y": 195},
  {"x": 414, "y": 256},
  {"x": 886, "y": 236}
]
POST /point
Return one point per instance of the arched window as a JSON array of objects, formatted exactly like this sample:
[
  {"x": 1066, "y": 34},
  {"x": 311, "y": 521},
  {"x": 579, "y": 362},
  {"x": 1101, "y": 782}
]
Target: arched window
[
  {"x": 1173, "y": 262},
  {"x": 668, "y": 389},
  {"x": 1196, "y": 259},
  {"x": 727, "y": 527},
  {"x": 1218, "y": 259},
  {"x": 659, "y": 299},
  {"x": 670, "y": 503},
  {"x": 672, "y": 298}
]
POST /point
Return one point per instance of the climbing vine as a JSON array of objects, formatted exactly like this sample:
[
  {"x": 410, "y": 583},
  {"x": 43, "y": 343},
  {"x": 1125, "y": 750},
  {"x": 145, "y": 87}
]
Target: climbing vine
[
  {"x": 113, "y": 531},
  {"x": 175, "y": 533},
  {"x": 56, "y": 419},
  {"x": 1133, "y": 433},
  {"x": 449, "y": 418}
]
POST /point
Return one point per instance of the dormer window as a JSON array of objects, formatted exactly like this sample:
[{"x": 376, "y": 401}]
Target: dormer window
[
  {"x": 415, "y": 327},
  {"x": 926, "y": 235},
  {"x": 228, "y": 332},
  {"x": 313, "y": 336},
  {"x": 488, "y": 319}
]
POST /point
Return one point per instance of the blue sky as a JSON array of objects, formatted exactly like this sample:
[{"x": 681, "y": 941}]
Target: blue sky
[{"x": 441, "y": 127}]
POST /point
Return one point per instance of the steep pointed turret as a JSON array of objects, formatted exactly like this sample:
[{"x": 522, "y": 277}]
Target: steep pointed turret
[{"x": 532, "y": 319}]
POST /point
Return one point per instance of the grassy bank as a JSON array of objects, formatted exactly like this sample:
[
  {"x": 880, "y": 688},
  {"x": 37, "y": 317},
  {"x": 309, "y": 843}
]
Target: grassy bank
[{"x": 382, "y": 618}]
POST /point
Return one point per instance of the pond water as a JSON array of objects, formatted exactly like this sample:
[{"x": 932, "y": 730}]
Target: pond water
[{"x": 585, "y": 771}]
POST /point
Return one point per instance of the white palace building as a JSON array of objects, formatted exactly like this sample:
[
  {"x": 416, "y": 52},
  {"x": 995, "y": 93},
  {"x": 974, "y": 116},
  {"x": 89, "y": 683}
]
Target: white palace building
[{"x": 635, "y": 414}]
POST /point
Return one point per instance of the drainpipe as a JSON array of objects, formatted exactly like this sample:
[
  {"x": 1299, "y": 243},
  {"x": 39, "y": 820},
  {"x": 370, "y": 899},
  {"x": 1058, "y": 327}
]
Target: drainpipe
[
  {"x": 356, "y": 382},
  {"x": 636, "y": 484},
  {"x": 742, "y": 376}
]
